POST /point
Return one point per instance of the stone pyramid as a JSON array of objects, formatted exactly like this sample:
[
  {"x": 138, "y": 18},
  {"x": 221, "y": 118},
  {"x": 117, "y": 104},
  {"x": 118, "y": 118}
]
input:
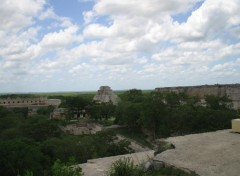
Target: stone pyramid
[{"x": 105, "y": 95}]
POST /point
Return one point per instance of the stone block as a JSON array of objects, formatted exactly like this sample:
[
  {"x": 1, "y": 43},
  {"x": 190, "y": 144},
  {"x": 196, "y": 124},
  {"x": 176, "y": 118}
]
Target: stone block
[{"x": 236, "y": 125}]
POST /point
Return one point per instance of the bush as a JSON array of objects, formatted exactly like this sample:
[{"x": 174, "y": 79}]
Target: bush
[
  {"x": 66, "y": 169},
  {"x": 124, "y": 167}
]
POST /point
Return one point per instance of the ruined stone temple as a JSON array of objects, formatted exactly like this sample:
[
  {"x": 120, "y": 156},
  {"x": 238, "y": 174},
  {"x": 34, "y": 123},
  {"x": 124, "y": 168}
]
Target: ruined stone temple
[
  {"x": 105, "y": 95},
  {"x": 232, "y": 91}
]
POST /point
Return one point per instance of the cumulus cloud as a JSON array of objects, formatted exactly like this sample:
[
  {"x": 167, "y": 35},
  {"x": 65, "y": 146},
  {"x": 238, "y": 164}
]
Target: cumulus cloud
[
  {"x": 14, "y": 15},
  {"x": 60, "y": 39},
  {"x": 148, "y": 8},
  {"x": 139, "y": 41},
  {"x": 211, "y": 19}
]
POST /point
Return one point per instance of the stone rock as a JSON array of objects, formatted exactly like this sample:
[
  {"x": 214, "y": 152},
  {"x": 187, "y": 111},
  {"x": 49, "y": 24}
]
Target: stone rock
[
  {"x": 163, "y": 146},
  {"x": 106, "y": 95},
  {"x": 148, "y": 166},
  {"x": 157, "y": 164}
]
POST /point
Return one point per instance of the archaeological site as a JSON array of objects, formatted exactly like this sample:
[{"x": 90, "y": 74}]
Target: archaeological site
[{"x": 232, "y": 91}]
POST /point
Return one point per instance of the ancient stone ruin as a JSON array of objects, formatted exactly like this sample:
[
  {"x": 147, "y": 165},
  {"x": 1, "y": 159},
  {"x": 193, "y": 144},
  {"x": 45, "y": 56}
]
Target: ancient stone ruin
[
  {"x": 232, "y": 91},
  {"x": 106, "y": 95},
  {"x": 29, "y": 102}
]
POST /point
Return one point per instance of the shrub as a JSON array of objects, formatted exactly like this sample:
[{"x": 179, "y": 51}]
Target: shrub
[
  {"x": 66, "y": 169},
  {"x": 124, "y": 167}
]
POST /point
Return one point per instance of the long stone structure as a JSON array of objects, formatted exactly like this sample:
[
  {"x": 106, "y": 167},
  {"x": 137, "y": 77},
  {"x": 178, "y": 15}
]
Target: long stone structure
[
  {"x": 232, "y": 91},
  {"x": 105, "y": 95},
  {"x": 28, "y": 102}
]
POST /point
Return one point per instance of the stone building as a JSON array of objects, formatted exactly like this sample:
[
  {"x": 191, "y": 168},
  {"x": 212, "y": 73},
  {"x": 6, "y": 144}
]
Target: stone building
[
  {"x": 18, "y": 102},
  {"x": 59, "y": 113},
  {"x": 232, "y": 91},
  {"x": 29, "y": 102},
  {"x": 105, "y": 95}
]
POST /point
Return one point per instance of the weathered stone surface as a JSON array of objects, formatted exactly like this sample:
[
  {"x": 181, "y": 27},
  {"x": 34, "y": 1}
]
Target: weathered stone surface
[
  {"x": 157, "y": 164},
  {"x": 232, "y": 91},
  {"x": 59, "y": 113},
  {"x": 147, "y": 166},
  {"x": 87, "y": 128},
  {"x": 106, "y": 95},
  {"x": 99, "y": 167},
  {"x": 208, "y": 154}
]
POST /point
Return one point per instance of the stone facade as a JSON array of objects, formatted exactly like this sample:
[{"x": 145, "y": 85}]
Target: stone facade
[
  {"x": 232, "y": 91},
  {"x": 105, "y": 95},
  {"x": 28, "y": 102},
  {"x": 23, "y": 101}
]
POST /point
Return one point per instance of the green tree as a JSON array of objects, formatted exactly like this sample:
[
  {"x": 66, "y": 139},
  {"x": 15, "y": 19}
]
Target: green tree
[
  {"x": 173, "y": 100},
  {"x": 41, "y": 130},
  {"x": 133, "y": 95},
  {"x": 129, "y": 110},
  {"x": 75, "y": 105},
  {"x": 18, "y": 156},
  {"x": 129, "y": 114},
  {"x": 3, "y": 112},
  {"x": 155, "y": 112},
  {"x": 101, "y": 111},
  {"x": 45, "y": 110},
  {"x": 216, "y": 102}
]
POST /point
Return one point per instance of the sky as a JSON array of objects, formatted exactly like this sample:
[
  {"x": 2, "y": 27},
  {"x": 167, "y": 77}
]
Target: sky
[{"x": 80, "y": 45}]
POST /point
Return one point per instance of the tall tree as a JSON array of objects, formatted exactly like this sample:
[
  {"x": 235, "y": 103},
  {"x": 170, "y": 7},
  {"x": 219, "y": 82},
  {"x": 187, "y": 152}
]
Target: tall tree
[{"x": 154, "y": 112}]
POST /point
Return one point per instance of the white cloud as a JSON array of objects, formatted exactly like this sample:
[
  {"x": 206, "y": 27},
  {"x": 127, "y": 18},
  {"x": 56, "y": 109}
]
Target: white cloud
[
  {"x": 14, "y": 14},
  {"x": 88, "y": 16},
  {"x": 60, "y": 39},
  {"x": 148, "y": 8},
  {"x": 48, "y": 14},
  {"x": 210, "y": 20},
  {"x": 197, "y": 53},
  {"x": 127, "y": 42},
  {"x": 227, "y": 69}
]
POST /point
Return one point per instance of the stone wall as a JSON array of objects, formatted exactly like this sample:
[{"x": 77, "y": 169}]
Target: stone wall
[{"x": 232, "y": 91}]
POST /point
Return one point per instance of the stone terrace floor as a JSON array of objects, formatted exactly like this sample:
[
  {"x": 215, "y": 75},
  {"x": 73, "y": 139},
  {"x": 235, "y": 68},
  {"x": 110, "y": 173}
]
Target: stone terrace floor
[
  {"x": 99, "y": 167},
  {"x": 208, "y": 154}
]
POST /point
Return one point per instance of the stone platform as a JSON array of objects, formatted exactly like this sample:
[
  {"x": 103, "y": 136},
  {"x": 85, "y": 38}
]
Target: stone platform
[
  {"x": 208, "y": 154},
  {"x": 99, "y": 167}
]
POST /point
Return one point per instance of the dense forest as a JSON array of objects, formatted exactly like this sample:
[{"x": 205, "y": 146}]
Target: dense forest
[
  {"x": 36, "y": 145},
  {"x": 167, "y": 114}
]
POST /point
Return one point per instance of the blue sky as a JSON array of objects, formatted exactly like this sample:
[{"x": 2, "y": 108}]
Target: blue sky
[{"x": 79, "y": 45}]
